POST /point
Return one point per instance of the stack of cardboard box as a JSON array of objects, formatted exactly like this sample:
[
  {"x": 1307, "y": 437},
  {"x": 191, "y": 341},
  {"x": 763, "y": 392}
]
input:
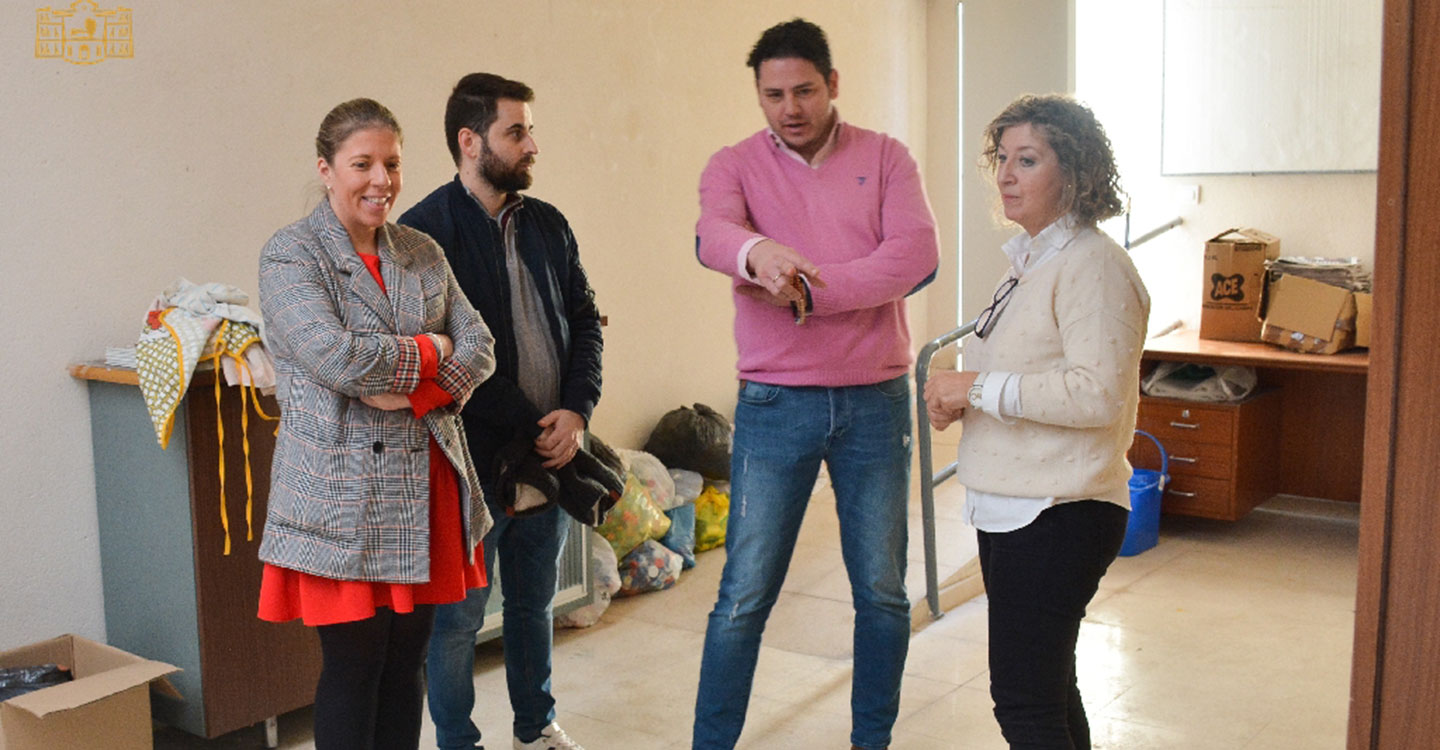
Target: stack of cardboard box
[
  {"x": 1291, "y": 311},
  {"x": 1311, "y": 316}
]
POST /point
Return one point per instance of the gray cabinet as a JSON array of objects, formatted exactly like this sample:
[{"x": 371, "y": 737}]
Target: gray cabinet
[{"x": 170, "y": 592}]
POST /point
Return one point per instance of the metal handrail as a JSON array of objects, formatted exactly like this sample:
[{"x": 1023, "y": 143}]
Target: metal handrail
[
  {"x": 928, "y": 477},
  {"x": 1150, "y": 235}
]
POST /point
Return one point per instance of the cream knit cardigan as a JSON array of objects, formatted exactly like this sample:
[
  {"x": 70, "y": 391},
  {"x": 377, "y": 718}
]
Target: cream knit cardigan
[{"x": 1073, "y": 330}]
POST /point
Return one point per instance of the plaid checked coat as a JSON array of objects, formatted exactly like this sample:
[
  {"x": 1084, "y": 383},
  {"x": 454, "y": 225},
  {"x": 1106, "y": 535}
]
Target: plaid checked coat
[{"x": 350, "y": 484}]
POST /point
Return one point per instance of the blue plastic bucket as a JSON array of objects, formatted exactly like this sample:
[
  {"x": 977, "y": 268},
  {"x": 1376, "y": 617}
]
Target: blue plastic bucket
[{"x": 1142, "y": 531}]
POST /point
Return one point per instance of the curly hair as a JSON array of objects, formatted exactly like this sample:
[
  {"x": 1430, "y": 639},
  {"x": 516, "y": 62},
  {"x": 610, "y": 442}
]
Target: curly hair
[{"x": 1092, "y": 184}]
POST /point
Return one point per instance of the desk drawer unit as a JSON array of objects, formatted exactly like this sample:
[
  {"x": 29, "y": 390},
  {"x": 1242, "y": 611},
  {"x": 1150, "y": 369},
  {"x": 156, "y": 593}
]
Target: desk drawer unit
[
  {"x": 1216, "y": 452},
  {"x": 1212, "y": 460},
  {"x": 1170, "y": 421},
  {"x": 1197, "y": 496}
]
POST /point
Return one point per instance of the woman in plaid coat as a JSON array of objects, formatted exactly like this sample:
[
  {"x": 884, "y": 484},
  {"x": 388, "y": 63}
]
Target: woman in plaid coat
[{"x": 375, "y": 511}]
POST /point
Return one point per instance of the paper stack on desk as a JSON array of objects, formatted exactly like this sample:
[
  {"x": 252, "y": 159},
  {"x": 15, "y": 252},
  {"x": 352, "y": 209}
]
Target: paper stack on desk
[{"x": 1346, "y": 273}]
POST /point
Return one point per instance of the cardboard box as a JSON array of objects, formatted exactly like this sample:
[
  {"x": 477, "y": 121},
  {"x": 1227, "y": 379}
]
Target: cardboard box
[
  {"x": 1234, "y": 281},
  {"x": 1308, "y": 316},
  {"x": 1364, "y": 306},
  {"x": 106, "y": 706}
]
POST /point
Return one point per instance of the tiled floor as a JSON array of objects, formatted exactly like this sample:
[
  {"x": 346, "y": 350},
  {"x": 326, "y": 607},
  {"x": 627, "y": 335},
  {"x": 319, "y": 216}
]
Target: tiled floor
[{"x": 1225, "y": 636}]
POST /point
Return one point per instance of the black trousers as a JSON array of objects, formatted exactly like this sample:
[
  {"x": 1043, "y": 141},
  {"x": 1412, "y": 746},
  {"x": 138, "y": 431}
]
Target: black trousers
[
  {"x": 1039, "y": 579},
  {"x": 371, "y": 688}
]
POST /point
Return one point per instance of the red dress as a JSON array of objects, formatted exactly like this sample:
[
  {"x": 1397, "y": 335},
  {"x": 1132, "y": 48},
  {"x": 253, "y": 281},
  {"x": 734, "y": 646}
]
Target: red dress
[{"x": 286, "y": 594}]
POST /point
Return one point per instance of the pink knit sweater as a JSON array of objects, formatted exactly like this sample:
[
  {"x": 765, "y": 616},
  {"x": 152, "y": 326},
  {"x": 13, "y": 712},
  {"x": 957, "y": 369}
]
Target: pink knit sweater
[{"x": 861, "y": 216}]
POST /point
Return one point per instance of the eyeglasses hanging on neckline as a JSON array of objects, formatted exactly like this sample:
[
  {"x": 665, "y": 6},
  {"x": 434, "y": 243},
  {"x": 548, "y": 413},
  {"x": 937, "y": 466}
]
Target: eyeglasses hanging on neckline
[{"x": 986, "y": 322}]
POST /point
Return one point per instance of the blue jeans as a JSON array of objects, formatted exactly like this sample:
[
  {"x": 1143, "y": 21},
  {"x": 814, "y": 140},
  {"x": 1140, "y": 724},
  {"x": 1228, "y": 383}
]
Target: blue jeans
[
  {"x": 529, "y": 553},
  {"x": 782, "y": 433}
]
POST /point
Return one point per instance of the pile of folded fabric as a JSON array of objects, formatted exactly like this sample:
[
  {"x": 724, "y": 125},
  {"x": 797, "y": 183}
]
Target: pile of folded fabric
[{"x": 190, "y": 324}]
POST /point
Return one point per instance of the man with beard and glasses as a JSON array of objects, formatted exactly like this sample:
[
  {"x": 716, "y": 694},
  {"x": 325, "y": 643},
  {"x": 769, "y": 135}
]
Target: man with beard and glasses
[{"x": 515, "y": 259}]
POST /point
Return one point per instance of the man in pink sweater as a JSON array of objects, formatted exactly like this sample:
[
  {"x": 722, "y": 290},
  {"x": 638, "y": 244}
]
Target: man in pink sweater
[{"x": 825, "y": 229}]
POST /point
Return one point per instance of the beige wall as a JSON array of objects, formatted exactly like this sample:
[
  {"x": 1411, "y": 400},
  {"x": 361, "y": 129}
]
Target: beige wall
[
  {"x": 1011, "y": 47},
  {"x": 123, "y": 176},
  {"x": 942, "y": 166}
]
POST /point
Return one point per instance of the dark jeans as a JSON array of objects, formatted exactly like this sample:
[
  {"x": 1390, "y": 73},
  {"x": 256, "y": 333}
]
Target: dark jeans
[
  {"x": 528, "y": 549},
  {"x": 1039, "y": 580},
  {"x": 371, "y": 690}
]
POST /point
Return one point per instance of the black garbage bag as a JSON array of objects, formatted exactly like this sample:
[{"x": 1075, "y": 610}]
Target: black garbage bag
[
  {"x": 696, "y": 438},
  {"x": 21, "y": 680}
]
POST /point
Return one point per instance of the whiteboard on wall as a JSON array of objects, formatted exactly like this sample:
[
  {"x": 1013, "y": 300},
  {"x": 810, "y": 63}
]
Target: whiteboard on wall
[{"x": 1270, "y": 86}]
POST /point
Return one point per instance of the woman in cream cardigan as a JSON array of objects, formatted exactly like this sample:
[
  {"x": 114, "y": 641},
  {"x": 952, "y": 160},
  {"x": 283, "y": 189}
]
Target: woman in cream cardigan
[{"x": 1048, "y": 411}]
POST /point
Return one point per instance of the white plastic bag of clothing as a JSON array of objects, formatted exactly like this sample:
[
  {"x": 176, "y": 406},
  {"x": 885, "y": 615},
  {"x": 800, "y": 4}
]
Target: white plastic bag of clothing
[
  {"x": 648, "y": 469},
  {"x": 688, "y": 485},
  {"x": 606, "y": 570},
  {"x": 1193, "y": 382}
]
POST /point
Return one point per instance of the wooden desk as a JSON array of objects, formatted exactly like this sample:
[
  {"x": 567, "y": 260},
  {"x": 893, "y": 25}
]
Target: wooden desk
[
  {"x": 1187, "y": 346},
  {"x": 1322, "y": 408}
]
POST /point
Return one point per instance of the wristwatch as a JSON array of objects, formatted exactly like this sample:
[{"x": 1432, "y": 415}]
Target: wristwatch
[{"x": 974, "y": 395}]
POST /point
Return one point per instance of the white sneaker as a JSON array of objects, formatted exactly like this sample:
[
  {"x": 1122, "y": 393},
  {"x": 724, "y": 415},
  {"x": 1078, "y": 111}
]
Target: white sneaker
[{"x": 551, "y": 738}]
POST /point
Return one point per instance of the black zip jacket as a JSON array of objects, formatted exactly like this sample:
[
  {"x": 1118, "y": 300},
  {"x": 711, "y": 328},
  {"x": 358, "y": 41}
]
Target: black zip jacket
[{"x": 499, "y": 412}]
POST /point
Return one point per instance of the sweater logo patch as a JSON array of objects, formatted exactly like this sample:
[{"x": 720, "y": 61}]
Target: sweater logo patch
[{"x": 861, "y": 179}]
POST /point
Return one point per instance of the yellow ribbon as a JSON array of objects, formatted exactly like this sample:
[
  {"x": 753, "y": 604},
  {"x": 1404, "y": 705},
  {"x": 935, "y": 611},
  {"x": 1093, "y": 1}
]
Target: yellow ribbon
[
  {"x": 220, "y": 442},
  {"x": 248, "y": 397}
]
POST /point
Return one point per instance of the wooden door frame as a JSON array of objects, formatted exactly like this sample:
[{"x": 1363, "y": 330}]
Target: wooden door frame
[{"x": 1394, "y": 664}]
